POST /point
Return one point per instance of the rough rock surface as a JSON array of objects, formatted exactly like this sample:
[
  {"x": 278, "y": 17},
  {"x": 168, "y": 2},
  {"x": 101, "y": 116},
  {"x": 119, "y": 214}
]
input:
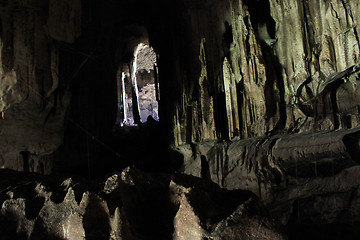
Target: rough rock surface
[
  {"x": 129, "y": 205},
  {"x": 258, "y": 66},
  {"x": 32, "y": 99},
  {"x": 306, "y": 179},
  {"x": 227, "y": 69},
  {"x": 279, "y": 78}
]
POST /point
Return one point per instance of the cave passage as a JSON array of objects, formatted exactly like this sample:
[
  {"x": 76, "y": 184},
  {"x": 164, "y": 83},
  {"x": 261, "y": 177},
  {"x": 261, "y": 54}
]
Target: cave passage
[{"x": 138, "y": 88}]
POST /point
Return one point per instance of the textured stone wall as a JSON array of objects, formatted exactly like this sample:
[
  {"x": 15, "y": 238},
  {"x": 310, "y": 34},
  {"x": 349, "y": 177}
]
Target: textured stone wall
[
  {"x": 227, "y": 69},
  {"x": 33, "y": 103},
  {"x": 255, "y": 67}
]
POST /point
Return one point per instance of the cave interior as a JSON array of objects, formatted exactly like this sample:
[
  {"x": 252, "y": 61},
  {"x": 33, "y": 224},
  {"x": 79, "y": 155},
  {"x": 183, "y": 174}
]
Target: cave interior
[{"x": 184, "y": 119}]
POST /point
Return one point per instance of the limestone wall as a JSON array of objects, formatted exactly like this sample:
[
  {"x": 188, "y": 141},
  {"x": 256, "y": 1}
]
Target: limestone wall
[
  {"x": 259, "y": 66},
  {"x": 32, "y": 103}
]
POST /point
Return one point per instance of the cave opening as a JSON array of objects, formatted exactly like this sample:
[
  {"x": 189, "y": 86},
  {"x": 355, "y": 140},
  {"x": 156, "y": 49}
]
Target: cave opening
[{"x": 138, "y": 91}]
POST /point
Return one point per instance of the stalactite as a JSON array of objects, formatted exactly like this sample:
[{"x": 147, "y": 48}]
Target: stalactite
[
  {"x": 136, "y": 103},
  {"x": 156, "y": 78},
  {"x": 123, "y": 95}
]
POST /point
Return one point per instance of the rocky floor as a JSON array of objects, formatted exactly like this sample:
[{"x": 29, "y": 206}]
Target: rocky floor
[
  {"x": 137, "y": 205},
  {"x": 129, "y": 205},
  {"x": 307, "y": 181},
  {"x": 299, "y": 186}
]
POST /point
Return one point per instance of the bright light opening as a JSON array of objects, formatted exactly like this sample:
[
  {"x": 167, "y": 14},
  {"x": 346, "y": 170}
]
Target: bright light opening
[{"x": 138, "y": 88}]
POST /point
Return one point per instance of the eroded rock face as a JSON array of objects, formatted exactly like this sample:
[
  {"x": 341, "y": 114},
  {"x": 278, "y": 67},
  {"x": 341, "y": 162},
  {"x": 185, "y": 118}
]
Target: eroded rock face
[
  {"x": 279, "y": 78},
  {"x": 258, "y": 66},
  {"x": 33, "y": 99},
  {"x": 129, "y": 205},
  {"x": 305, "y": 180},
  {"x": 228, "y": 69}
]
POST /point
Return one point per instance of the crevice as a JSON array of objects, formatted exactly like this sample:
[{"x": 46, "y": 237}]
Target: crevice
[
  {"x": 265, "y": 30},
  {"x": 347, "y": 14},
  {"x": 221, "y": 119},
  {"x": 247, "y": 39},
  {"x": 189, "y": 129},
  {"x": 308, "y": 34},
  {"x": 33, "y": 206},
  {"x": 305, "y": 107},
  {"x": 335, "y": 12},
  {"x": 228, "y": 40},
  {"x": 26, "y": 160},
  {"x": 96, "y": 212},
  {"x": 334, "y": 109},
  {"x": 194, "y": 150},
  {"x": 352, "y": 145},
  {"x": 241, "y": 110},
  {"x": 260, "y": 17},
  {"x": 205, "y": 168}
]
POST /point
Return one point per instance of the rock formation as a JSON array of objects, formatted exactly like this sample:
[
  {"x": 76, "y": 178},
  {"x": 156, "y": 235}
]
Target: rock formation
[
  {"x": 129, "y": 205},
  {"x": 258, "y": 109}
]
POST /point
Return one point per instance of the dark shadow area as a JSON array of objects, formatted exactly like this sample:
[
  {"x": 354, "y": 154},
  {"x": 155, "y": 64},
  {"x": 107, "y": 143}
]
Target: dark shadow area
[
  {"x": 220, "y": 115},
  {"x": 211, "y": 203},
  {"x": 9, "y": 222},
  {"x": 319, "y": 167},
  {"x": 96, "y": 220},
  {"x": 299, "y": 229},
  {"x": 93, "y": 146},
  {"x": 308, "y": 107},
  {"x": 79, "y": 185},
  {"x": 240, "y": 101},
  {"x": 58, "y": 196},
  {"x": 142, "y": 147},
  {"x": 26, "y": 158},
  {"x": 148, "y": 208},
  {"x": 212, "y": 207},
  {"x": 41, "y": 233},
  {"x": 326, "y": 104},
  {"x": 352, "y": 144},
  {"x": 260, "y": 15},
  {"x": 7, "y": 55},
  {"x": 227, "y": 40},
  {"x": 205, "y": 168},
  {"x": 335, "y": 231},
  {"x": 33, "y": 207}
]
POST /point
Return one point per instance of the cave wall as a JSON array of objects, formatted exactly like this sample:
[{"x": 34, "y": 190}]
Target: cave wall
[
  {"x": 227, "y": 70},
  {"x": 256, "y": 67},
  {"x": 253, "y": 72},
  {"x": 33, "y": 100},
  {"x": 58, "y": 90}
]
